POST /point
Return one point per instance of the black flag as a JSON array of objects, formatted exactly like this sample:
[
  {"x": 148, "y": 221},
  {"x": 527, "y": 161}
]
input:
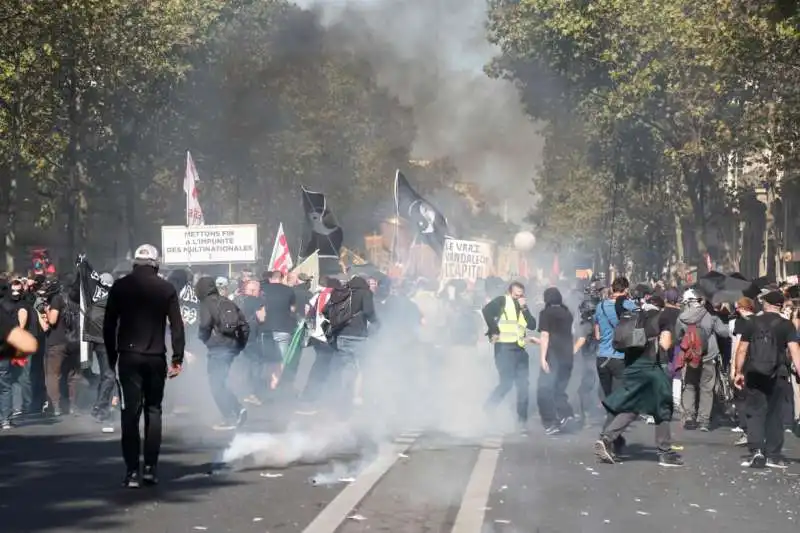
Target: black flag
[
  {"x": 430, "y": 223},
  {"x": 93, "y": 289},
  {"x": 322, "y": 230}
]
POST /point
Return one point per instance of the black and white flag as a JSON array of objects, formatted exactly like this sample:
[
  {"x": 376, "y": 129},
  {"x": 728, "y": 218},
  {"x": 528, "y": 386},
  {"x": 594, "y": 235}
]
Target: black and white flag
[
  {"x": 323, "y": 233},
  {"x": 429, "y": 222}
]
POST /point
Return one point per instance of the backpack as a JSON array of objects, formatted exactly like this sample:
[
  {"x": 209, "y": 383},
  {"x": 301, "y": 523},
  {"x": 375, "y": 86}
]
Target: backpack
[
  {"x": 690, "y": 351},
  {"x": 71, "y": 315},
  {"x": 763, "y": 354},
  {"x": 228, "y": 322},
  {"x": 338, "y": 311},
  {"x": 630, "y": 334}
]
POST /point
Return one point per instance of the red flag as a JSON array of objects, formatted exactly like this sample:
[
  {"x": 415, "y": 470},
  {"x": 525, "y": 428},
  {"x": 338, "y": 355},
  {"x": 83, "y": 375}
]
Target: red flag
[
  {"x": 555, "y": 274},
  {"x": 281, "y": 259}
]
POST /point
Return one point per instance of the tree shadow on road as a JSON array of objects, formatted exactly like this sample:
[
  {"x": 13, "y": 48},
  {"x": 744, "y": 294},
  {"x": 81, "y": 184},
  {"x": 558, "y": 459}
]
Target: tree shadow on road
[{"x": 73, "y": 482}]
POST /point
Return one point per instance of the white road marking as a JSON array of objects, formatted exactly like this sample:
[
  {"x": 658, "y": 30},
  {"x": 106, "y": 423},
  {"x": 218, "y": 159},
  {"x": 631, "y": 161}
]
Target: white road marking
[
  {"x": 332, "y": 516},
  {"x": 472, "y": 512}
]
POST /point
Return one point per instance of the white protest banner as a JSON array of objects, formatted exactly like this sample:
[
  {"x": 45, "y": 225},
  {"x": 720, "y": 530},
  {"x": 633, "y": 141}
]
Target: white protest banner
[
  {"x": 209, "y": 244},
  {"x": 468, "y": 260}
]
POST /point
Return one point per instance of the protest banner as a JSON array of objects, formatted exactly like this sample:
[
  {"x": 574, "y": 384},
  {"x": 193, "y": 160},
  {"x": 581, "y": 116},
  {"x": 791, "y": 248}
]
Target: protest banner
[
  {"x": 181, "y": 245},
  {"x": 468, "y": 260}
]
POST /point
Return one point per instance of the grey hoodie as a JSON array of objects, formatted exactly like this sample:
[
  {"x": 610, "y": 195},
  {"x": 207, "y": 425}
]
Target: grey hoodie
[{"x": 709, "y": 325}]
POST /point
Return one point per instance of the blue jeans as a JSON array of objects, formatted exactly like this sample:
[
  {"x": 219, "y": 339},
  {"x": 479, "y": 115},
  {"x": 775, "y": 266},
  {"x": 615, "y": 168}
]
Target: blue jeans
[
  {"x": 344, "y": 368},
  {"x": 282, "y": 339},
  {"x": 106, "y": 384},
  {"x": 6, "y": 394},
  {"x": 219, "y": 366}
]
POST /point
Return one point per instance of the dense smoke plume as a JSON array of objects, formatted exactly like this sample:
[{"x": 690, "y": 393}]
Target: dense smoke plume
[{"x": 431, "y": 54}]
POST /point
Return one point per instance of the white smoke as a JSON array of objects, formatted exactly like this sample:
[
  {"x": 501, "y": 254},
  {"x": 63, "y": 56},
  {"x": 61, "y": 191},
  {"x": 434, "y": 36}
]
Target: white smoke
[{"x": 431, "y": 54}]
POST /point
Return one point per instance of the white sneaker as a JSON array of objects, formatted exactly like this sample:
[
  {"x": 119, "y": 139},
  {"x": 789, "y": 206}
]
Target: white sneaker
[{"x": 737, "y": 429}]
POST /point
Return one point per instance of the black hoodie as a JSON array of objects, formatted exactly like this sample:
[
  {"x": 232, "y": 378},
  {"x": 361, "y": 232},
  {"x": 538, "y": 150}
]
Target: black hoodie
[
  {"x": 363, "y": 310},
  {"x": 209, "y": 298},
  {"x": 137, "y": 310}
]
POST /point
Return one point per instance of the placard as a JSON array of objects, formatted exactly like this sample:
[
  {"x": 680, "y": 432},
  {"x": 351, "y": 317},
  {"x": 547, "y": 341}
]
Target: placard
[
  {"x": 181, "y": 245},
  {"x": 467, "y": 260}
]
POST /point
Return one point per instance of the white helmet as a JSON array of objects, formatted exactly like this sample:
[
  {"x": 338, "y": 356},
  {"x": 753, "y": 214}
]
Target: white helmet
[{"x": 690, "y": 297}]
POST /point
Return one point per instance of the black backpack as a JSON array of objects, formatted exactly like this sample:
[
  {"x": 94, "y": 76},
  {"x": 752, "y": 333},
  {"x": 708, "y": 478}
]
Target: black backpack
[
  {"x": 630, "y": 334},
  {"x": 71, "y": 315},
  {"x": 338, "y": 311},
  {"x": 228, "y": 322},
  {"x": 763, "y": 354}
]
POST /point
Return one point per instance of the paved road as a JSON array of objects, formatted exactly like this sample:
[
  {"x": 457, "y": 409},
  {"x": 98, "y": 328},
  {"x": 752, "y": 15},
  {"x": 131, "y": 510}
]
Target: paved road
[{"x": 65, "y": 478}]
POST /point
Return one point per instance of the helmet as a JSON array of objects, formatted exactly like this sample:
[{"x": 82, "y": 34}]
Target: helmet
[{"x": 690, "y": 297}]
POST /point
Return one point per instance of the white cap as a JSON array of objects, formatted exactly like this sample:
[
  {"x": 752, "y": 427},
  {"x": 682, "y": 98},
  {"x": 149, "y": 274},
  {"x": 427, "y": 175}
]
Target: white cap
[
  {"x": 106, "y": 279},
  {"x": 221, "y": 282},
  {"x": 146, "y": 254}
]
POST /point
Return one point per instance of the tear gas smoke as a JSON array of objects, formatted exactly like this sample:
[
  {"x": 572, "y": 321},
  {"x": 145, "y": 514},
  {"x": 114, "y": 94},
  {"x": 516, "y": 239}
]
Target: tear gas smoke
[{"x": 431, "y": 55}]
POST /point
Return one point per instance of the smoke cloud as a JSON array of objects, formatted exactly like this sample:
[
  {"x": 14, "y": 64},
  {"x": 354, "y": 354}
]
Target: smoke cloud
[{"x": 430, "y": 54}]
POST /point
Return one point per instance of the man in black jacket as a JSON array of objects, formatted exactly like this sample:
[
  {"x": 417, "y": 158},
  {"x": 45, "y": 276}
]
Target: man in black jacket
[
  {"x": 134, "y": 328},
  {"x": 222, "y": 348},
  {"x": 350, "y": 340},
  {"x": 93, "y": 334}
]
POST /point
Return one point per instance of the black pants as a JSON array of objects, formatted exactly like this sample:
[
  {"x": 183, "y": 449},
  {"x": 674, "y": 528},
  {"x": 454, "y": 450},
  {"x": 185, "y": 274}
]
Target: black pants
[
  {"x": 764, "y": 403},
  {"x": 551, "y": 391},
  {"x": 106, "y": 383},
  {"x": 511, "y": 362},
  {"x": 142, "y": 378},
  {"x": 219, "y": 364},
  {"x": 320, "y": 370},
  {"x": 611, "y": 373}
]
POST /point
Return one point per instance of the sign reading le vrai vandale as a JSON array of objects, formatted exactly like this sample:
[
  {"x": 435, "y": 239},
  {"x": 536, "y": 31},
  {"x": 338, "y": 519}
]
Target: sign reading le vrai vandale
[
  {"x": 468, "y": 260},
  {"x": 183, "y": 245}
]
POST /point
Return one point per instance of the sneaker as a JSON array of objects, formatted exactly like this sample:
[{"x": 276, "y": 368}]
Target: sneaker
[
  {"x": 758, "y": 460},
  {"x": 241, "y": 418},
  {"x": 149, "y": 476},
  {"x": 741, "y": 441},
  {"x": 777, "y": 462},
  {"x": 17, "y": 413},
  {"x": 552, "y": 430},
  {"x": 602, "y": 452},
  {"x": 224, "y": 426},
  {"x": 132, "y": 480},
  {"x": 670, "y": 459},
  {"x": 6, "y": 425},
  {"x": 737, "y": 429},
  {"x": 57, "y": 412},
  {"x": 690, "y": 425},
  {"x": 704, "y": 428}
]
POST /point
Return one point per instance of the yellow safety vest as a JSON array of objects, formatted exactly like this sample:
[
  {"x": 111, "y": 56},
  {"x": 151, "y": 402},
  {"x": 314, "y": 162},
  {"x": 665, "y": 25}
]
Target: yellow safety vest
[{"x": 512, "y": 326}]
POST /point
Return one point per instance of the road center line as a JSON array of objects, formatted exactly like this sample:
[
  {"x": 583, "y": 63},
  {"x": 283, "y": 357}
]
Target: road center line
[
  {"x": 337, "y": 511},
  {"x": 472, "y": 512}
]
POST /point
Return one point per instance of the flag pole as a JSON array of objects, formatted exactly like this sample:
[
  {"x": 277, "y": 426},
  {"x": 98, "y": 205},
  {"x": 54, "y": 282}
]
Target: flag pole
[{"x": 185, "y": 192}]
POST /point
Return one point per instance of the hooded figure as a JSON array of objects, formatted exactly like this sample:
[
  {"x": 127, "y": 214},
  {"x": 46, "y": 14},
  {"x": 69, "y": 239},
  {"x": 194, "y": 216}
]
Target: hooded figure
[
  {"x": 209, "y": 298},
  {"x": 699, "y": 383}
]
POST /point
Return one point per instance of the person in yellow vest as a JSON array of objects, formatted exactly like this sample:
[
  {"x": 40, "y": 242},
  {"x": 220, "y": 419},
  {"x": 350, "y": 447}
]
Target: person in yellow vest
[{"x": 508, "y": 319}]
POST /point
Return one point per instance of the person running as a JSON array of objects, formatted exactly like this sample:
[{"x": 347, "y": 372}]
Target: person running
[
  {"x": 134, "y": 329},
  {"x": 507, "y": 320}
]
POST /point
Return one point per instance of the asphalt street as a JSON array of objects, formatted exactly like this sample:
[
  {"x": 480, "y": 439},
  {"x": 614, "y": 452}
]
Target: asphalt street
[{"x": 65, "y": 477}]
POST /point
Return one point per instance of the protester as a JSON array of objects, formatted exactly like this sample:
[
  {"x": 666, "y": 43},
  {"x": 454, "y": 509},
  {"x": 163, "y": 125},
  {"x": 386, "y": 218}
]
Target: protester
[
  {"x": 223, "y": 328},
  {"x": 258, "y": 346},
  {"x": 507, "y": 320},
  {"x": 101, "y": 410},
  {"x": 62, "y": 360},
  {"x": 761, "y": 365},
  {"x": 134, "y": 329},
  {"x": 280, "y": 300},
  {"x": 699, "y": 379},
  {"x": 556, "y": 360}
]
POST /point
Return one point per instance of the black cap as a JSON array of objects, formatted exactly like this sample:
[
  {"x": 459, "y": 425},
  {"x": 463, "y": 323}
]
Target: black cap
[{"x": 774, "y": 298}]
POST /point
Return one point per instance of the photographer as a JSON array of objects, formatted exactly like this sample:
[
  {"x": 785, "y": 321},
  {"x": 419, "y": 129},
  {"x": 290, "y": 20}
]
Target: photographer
[{"x": 586, "y": 345}]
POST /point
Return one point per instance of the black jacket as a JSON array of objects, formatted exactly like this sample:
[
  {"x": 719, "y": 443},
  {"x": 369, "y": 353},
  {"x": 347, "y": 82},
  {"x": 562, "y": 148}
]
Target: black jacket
[
  {"x": 209, "y": 299},
  {"x": 363, "y": 310},
  {"x": 137, "y": 309}
]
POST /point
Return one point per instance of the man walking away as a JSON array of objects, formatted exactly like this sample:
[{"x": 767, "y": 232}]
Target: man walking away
[
  {"x": 507, "y": 320},
  {"x": 350, "y": 313},
  {"x": 58, "y": 360},
  {"x": 280, "y": 300},
  {"x": 255, "y": 352},
  {"x": 93, "y": 334},
  {"x": 761, "y": 366},
  {"x": 556, "y": 360},
  {"x": 224, "y": 330},
  {"x": 697, "y": 331},
  {"x": 134, "y": 329}
]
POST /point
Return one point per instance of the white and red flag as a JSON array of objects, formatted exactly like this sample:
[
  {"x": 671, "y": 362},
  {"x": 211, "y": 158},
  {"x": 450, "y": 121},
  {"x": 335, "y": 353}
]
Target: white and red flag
[
  {"x": 281, "y": 259},
  {"x": 194, "y": 214}
]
